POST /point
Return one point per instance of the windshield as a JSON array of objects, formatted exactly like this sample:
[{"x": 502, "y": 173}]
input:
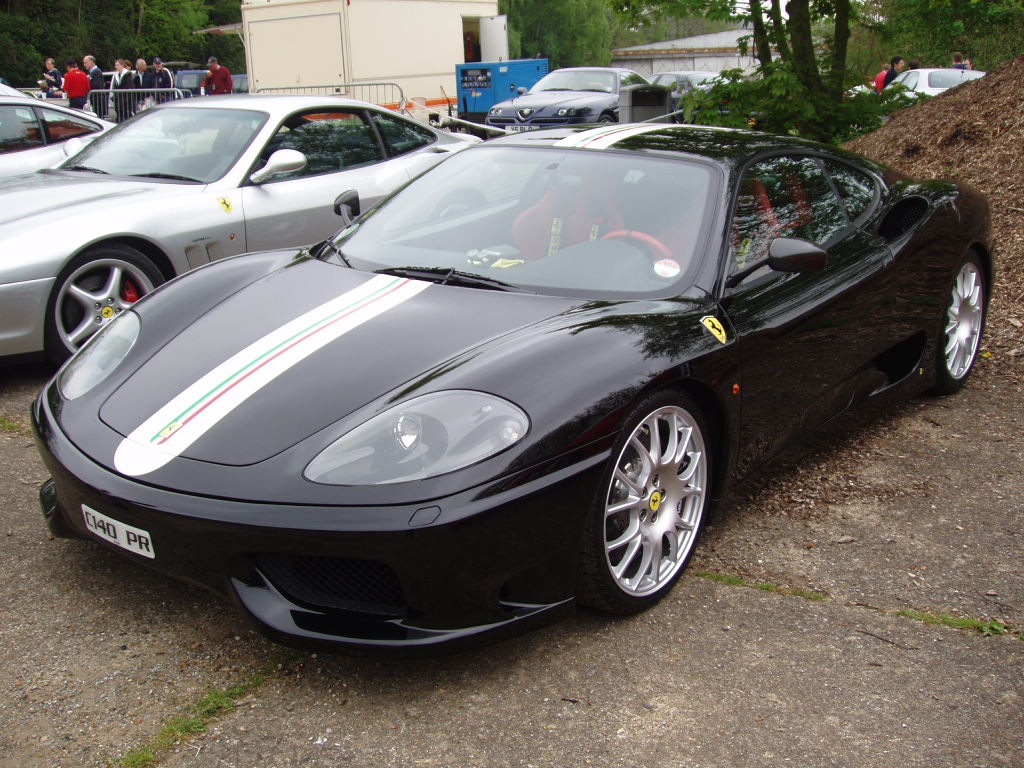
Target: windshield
[
  {"x": 190, "y": 144},
  {"x": 577, "y": 80},
  {"x": 564, "y": 222}
]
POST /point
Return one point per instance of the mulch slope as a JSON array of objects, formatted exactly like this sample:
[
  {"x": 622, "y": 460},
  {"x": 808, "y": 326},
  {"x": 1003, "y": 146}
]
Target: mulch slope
[{"x": 974, "y": 134}]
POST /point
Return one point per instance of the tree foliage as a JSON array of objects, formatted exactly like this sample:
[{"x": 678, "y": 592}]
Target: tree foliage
[
  {"x": 31, "y": 30},
  {"x": 568, "y": 33}
]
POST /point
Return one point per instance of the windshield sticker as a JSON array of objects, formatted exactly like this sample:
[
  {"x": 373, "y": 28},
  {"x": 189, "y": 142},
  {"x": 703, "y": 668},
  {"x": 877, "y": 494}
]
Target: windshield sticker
[
  {"x": 606, "y": 136},
  {"x": 225, "y": 203},
  {"x": 504, "y": 263},
  {"x": 714, "y": 325},
  {"x": 666, "y": 268},
  {"x": 200, "y": 406}
]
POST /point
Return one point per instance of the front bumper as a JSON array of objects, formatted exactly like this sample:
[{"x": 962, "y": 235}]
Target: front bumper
[{"x": 382, "y": 576}]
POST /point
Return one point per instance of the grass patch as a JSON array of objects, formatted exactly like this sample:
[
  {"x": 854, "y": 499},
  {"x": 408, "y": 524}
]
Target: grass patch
[
  {"x": 987, "y": 628},
  {"x": 213, "y": 705},
  {"x": 13, "y": 427},
  {"x": 764, "y": 586}
]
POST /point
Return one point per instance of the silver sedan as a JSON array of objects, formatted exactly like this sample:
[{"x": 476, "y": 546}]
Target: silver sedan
[
  {"x": 33, "y": 132},
  {"x": 183, "y": 184}
]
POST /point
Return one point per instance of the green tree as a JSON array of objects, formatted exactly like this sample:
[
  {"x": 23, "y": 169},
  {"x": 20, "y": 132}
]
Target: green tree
[{"x": 568, "y": 33}]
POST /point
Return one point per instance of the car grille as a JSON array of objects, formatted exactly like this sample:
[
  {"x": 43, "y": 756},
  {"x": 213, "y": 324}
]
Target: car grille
[
  {"x": 503, "y": 122},
  {"x": 331, "y": 583}
]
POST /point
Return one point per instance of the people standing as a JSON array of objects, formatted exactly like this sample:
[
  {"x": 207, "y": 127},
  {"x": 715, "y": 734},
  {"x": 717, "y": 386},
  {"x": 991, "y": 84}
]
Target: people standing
[
  {"x": 52, "y": 79},
  {"x": 897, "y": 65},
  {"x": 122, "y": 81},
  {"x": 162, "y": 78},
  {"x": 218, "y": 79},
  {"x": 100, "y": 102},
  {"x": 880, "y": 77},
  {"x": 76, "y": 85},
  {"x": 958, "y": 60}
]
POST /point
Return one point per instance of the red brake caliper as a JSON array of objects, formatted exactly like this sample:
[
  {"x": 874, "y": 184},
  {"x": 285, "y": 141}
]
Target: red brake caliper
[{"x": 129, "y": 292}]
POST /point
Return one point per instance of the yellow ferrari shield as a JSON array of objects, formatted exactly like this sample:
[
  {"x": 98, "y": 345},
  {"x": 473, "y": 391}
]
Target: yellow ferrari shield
[
  {"x": 714, "y": 325},
  {"x": 225, "y": 203}
]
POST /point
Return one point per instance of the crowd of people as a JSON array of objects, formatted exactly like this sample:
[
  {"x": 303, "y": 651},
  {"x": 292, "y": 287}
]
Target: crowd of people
[
  {"x": 130, "y": 89},
  {"x": 890, "y": 69}
]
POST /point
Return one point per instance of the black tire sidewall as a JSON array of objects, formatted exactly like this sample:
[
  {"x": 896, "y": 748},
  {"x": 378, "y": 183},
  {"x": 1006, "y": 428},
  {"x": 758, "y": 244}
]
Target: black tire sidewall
[{"x": 596, "y": 587}]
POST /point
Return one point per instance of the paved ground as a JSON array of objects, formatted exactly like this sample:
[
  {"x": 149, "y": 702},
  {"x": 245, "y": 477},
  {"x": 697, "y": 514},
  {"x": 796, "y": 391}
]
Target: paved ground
[{"x": 920, "y": 510}]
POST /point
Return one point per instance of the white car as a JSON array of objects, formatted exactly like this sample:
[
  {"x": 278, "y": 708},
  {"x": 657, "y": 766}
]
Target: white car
[
  {"x": 33, "y": 132},
  {"x": 932, "y": 82},
  {"x": 180, "y": 185}
]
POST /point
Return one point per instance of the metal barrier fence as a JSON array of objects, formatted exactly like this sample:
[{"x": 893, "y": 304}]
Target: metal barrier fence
[
  {"x": 121, "y": 104},
  {"x": 384, "y": 94}
]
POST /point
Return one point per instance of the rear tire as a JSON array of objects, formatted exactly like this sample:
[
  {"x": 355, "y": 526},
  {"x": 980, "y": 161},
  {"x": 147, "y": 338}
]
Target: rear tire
[
  {"x": 960, "y": 327},
  {"x": 646, "y": 519},
  {"x": 95, "y": 287}
]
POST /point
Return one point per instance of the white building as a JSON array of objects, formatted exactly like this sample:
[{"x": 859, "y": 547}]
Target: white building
[{"x": 704, "y": 53}]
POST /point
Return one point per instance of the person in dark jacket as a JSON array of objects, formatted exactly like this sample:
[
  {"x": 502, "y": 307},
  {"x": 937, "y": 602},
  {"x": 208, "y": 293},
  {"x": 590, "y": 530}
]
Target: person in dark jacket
[
  {"x": 123, "y": 82},
  {"x": 162, "y": 78},
  {"x": 99, "y": 99},
  {"x": 52, "y": 79}
]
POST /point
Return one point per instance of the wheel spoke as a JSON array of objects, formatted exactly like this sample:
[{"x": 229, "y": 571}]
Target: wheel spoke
[
  {"x": 634, "y": 546},
  {"x": 631, "y": 533}
]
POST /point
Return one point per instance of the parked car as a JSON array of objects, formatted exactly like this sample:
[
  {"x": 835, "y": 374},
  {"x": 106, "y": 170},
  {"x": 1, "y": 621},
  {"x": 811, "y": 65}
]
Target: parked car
[
  {"x": 7, "y": 90},
  {"x": 33, "y": 133},
  {"x": 183, "y": 184},
  {"x": 932, "y": 82},
  {"x": 240, "y": 83},
  {"x": 189, "y": 80},
  {"x": 516, "y": 384},
  {"x": 684, "y": 80},
  {"x": 566, "y": 96}
]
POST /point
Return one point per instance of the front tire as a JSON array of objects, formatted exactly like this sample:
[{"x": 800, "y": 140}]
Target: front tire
[
  {"x": 649, "y": 511},
  {"x": 960, "y": 329},
  {"x": 95, "y": 287}
]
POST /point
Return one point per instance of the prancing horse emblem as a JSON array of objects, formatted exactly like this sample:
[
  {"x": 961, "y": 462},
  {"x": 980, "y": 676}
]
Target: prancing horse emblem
[{"x": 225, "y": 203}]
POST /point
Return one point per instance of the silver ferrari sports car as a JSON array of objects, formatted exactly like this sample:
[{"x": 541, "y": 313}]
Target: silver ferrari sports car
[
  {"x": 34, "y": 133},
  {"x": 183, "y": 184}
]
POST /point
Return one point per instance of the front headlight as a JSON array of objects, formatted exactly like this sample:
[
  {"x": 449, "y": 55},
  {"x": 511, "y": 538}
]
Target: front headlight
[
  {"x": 495, "y": 111},
  {"x": 573, "y": 111},
  {"x": 94, "y": 362},
  {"x": 423, "y": 437}
]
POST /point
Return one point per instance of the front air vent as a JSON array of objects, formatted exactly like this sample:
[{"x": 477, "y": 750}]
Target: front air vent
[{"x": 903, "y": 217}]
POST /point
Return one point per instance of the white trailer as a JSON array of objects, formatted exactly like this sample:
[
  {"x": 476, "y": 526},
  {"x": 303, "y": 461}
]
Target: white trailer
[{"x": 310, "y": 45}]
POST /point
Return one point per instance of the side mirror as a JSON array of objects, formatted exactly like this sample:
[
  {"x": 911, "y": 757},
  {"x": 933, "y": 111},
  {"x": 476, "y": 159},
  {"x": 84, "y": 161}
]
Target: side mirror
[
  {"x": 73, "y": 146},
  {"x": 791, "y": 254},
  {"x": 347, "y": 205},
  {"x": 282, "y": 161},
  {"x": 786, "y": 254}
]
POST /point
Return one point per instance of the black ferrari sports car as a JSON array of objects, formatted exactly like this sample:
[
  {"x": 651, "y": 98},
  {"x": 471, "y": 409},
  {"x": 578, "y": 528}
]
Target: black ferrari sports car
[{"x": 516, "y": 384}]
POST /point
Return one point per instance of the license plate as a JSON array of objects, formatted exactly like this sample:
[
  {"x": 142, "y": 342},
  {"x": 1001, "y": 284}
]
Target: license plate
[
  {"x": 123, "y": 535},
  {"x": 516, "y": 128}
]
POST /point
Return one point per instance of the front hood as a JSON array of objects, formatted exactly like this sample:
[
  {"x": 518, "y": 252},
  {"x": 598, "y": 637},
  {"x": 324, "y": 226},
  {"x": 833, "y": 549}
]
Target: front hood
[
  {"x": 53, "y": 196},
  {"x": 548, "y": 101},
  {"x": 292, "y": 353}
]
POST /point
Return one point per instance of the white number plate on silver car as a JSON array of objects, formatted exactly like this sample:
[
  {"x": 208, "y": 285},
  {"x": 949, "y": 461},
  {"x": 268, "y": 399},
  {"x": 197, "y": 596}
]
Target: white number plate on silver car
[{"x": 125, "y": 536}]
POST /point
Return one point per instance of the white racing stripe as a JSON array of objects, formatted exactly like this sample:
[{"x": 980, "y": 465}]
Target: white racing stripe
[
  {"x": 200, "y": 406},
  {"x": 606, "y": 136}
]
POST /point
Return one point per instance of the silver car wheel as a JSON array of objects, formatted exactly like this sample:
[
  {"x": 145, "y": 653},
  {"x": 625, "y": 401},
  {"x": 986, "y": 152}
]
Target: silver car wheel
[
  {"x": 94, "y": 294},
  {"x": 655, "y": 501},
  {"x": 965, "y": 317}
]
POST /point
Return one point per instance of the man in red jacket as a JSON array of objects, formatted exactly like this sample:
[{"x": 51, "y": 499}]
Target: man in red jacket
[
  {"x": 218, "y": 80},
  {"x": 76, "y": 85}
]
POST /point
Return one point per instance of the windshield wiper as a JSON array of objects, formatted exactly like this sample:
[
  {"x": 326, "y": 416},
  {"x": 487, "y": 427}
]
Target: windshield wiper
[
  {"x": 449, "y": 276},
  {"x": 158, "y": 175},
  {"x": 84, "y": 168}
]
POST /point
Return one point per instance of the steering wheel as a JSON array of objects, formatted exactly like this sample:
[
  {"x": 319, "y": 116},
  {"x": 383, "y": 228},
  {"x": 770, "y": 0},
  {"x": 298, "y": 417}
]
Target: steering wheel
[{"x": 660, "y": 249}]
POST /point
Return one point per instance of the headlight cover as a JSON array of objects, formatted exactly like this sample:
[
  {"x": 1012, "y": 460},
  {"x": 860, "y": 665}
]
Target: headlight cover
[
  {"x": 424, "y": 437},
  {"x": 94, "y": 362}
]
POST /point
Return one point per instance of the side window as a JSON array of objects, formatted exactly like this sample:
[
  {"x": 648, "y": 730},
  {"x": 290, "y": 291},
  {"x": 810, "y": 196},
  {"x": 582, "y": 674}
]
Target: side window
[
  {"x": 400, "y": 135},
  {"x": 910, "y": 80},
  {"x": 857, "y": 188},
  {"x": 331, "y": 142},
  {"x": 18, "y": 129},
  {"x": 60, "y": 127},
  {"x": 783, "y": 197}
]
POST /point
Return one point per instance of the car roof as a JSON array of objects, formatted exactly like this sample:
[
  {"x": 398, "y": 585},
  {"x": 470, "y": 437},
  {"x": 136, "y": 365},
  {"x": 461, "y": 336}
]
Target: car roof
[
  {"x": 7, "y": 90},
  {"x": 726, "y": 146}
]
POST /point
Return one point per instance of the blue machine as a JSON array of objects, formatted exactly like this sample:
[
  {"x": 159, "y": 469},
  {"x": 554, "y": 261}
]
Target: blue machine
[{"x": 483, "y": 84}]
